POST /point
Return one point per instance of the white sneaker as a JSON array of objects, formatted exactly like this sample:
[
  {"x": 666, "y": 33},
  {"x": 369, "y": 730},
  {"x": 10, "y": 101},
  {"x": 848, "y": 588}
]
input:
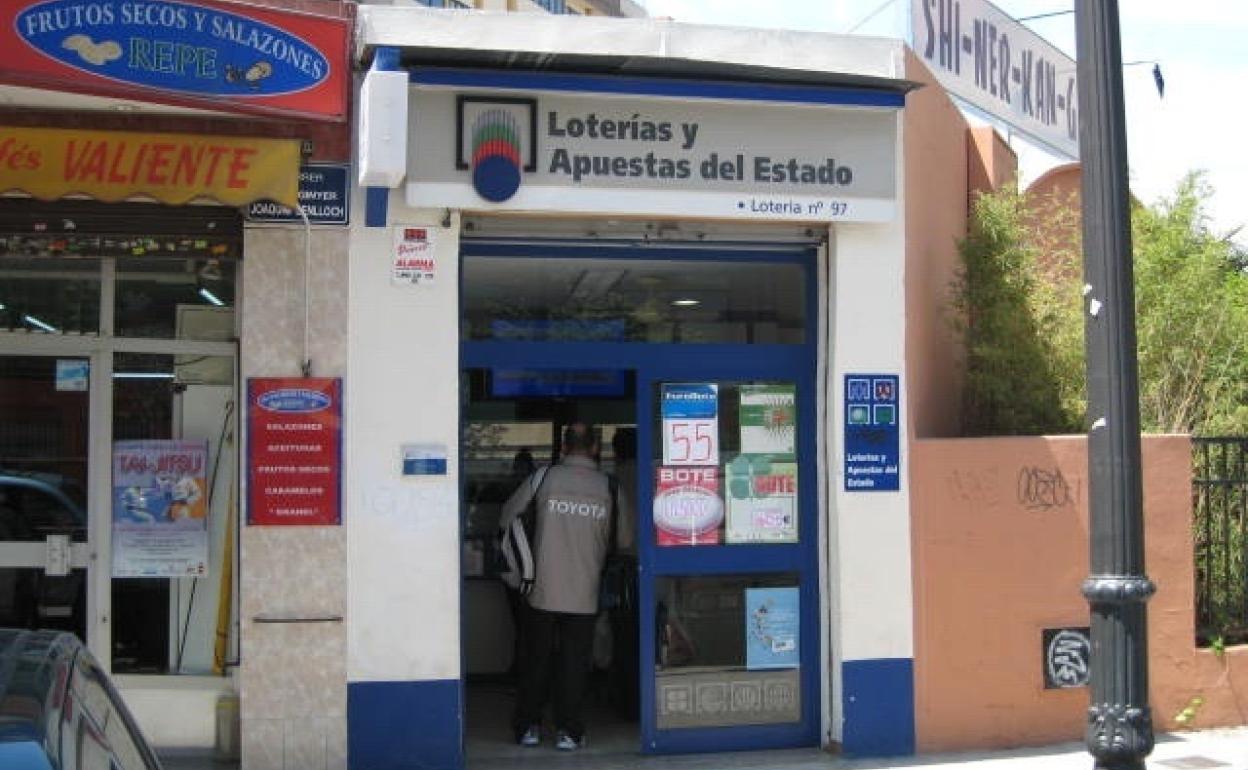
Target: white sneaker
[
  {"x": 531, "y": 737},
  {"x": 565, "y": 742}
]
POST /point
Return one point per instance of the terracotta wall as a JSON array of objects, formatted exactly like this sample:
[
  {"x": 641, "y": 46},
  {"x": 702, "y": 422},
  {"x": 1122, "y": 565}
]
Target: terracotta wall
[
  {"x": 991, "y": 162},
  {"x": 941, "y": 162},
  {"x": 1000, "y": 539}
]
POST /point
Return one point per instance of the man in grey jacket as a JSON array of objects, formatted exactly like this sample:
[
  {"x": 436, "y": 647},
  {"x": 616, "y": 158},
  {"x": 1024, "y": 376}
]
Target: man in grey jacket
[{"x": 572, "y": 534}]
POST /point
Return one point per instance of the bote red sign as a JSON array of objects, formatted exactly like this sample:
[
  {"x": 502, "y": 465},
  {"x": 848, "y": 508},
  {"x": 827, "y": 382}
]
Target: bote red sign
[
  {"x": 294, "y": 450},
  {"x": 245, "y": 57}
]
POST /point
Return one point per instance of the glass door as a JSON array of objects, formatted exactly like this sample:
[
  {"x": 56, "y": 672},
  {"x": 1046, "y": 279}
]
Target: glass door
[
  {"x": 44, "y": 440},
  {"x": 730, "y": 600}
]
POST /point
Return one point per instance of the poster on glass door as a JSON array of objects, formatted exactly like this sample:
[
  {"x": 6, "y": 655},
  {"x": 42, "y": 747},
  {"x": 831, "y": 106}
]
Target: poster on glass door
[
  {"x": 687, "y": 507},
  {"x": 690, "y": 413},
  {"x": 772, "y": 628},
  {"x": 762, "y": 500},
  {"x": 160, "y": 508},
  {"x": 769, "y": 419}
]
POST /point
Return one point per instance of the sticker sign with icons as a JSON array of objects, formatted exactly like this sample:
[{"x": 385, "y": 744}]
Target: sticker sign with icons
[{"x": 872, "y": 440}]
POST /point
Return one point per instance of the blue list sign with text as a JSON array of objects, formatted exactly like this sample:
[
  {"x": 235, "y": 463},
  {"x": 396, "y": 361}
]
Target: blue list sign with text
[{"x": 872, "y": 441}]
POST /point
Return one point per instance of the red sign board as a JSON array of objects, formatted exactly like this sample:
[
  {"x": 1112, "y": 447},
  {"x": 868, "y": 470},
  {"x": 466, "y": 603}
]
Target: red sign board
[
  {"x": 294, "y": 450},
  {"x": 223, "y": 55}
]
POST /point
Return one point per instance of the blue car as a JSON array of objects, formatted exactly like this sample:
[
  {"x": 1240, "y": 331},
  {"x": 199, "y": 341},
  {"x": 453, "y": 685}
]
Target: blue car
[{"x": 59, "y": 711}]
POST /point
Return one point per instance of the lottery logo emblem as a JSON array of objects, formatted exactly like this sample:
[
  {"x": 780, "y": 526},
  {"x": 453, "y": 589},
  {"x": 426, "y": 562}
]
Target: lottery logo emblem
[
  {"x": 496, "y": 155},
  {"x": 497, "y": 144}
]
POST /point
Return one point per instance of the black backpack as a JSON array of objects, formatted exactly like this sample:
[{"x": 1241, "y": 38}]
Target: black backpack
[{"x": 514, "y": 542}]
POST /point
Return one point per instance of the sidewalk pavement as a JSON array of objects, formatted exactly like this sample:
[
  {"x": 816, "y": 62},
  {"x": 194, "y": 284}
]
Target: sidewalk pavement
[{"x": 1200, "y": 750}]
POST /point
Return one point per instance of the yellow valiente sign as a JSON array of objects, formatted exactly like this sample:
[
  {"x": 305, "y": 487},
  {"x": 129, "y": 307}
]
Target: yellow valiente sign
[{"x": 49, "y": 163}]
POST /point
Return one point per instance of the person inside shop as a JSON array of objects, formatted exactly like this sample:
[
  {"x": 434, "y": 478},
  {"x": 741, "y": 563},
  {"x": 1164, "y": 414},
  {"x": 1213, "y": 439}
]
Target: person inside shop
[
  {"x": 574, "y": 513},
  {"x": 622, "y": 675},
  {"x": 523, "y": 468}
]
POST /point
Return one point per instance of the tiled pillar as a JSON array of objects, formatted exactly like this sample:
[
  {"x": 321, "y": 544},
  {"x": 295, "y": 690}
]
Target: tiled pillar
[{"x": 292, "y": 679}]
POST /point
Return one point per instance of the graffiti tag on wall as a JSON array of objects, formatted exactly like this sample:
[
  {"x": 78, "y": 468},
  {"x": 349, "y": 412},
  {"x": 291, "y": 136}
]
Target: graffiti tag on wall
[{"x": 1040, "y": 489}]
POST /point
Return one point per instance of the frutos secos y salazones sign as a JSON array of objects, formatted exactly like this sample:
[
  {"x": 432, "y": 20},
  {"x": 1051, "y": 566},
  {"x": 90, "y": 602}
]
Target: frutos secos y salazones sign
[
  {"x": 606, "y": 154},
  {"x": 254, "y": 57}
]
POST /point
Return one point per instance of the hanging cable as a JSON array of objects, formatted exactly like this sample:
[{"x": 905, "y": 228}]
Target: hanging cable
[{"x": 306, "y": 361}]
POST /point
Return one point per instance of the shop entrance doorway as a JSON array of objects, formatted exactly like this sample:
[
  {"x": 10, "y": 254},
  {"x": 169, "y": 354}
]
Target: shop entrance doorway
[
  {"x": 716, "y": 350},
  {"x": 512, "y": 425}
]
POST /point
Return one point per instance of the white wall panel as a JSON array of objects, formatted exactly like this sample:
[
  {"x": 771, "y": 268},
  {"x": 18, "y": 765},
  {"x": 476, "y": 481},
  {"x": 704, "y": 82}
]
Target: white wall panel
[
  {"x": 402, "y": 387},
  {"x": 870, "y": 565}
]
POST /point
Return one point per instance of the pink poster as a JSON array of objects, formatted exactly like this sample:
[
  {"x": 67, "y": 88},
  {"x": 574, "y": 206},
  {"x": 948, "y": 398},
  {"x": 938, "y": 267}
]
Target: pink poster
[{"x": 688, "y": 509}]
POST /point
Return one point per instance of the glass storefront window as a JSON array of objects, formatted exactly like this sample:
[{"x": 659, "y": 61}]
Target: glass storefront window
[
  {"x": 727, "y": 650},
  {"x": 175, "y": 298},
  {"x": 49, "y": 295},
  {"x": 633, "y": 300},
  {"x": 725, "y": 463},
  {"x": 173, "y": 448},
  {"x": 44, "y": 405}
]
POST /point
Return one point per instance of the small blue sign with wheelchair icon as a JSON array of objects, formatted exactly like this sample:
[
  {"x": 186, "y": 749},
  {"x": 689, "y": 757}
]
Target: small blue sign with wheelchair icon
[{"x": 872, "y": 439}]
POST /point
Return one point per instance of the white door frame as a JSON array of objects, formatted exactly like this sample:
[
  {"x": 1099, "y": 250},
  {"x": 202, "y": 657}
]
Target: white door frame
[{"x": 95, "y": 555}]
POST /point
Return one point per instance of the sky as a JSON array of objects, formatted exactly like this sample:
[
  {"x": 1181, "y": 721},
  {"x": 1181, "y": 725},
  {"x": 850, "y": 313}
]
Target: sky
[{"x": 1201, "y": 45}]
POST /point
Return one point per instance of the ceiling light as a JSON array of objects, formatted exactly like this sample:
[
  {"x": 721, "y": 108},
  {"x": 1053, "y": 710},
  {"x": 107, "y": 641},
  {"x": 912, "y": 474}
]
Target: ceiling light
[
  {"x": 210, "y": 297},
  {"x": 686, "y": 302},
  {"x": 143, "y": 375},
  {"x": 38, "y": 324}
]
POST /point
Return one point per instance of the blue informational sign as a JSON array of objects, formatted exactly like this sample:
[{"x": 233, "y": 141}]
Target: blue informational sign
[
  {"x": 514, "y": 383},
  {"x": 772, "y": 628},
  {"x": 872, "y": 442},
  {"x": 424, "y": 459},
  {"x": 324, "y": 195},
  {"x": 690, "y": 401}
]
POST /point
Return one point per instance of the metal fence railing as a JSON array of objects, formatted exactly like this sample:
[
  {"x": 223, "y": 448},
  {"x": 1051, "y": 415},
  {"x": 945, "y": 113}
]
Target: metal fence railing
[{"x": 1220, "y": 532}]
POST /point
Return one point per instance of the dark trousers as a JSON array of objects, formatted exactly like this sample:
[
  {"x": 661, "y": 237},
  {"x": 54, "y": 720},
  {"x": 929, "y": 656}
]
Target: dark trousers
[
  {"x": 622, "y": 678},
  {"x": 557, "y": 650}
]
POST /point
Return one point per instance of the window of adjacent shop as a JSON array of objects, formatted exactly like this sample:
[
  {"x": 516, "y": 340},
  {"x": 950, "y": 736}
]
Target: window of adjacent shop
[{"x": 118, "y": 391}]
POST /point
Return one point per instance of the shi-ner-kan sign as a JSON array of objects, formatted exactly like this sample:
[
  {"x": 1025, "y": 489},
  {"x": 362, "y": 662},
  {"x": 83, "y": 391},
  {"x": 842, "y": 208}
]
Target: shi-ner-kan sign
[
  {"x": 49, "y": 163},
  {"x": 992, "y": 61},
  {"x": 597, "y": 154}
]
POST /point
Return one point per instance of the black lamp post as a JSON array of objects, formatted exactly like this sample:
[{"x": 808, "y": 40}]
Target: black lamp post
[{"x": 1120, "y": 728}]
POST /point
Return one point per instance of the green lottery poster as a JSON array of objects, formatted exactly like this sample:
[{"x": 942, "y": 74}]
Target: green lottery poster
[
  {"x": 762, "y": 500},
  {"x": 769, "y": 419}
]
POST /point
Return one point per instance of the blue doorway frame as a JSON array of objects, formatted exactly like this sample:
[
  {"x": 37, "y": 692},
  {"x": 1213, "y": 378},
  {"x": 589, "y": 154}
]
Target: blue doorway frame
[{"x": 657, "y": 363}]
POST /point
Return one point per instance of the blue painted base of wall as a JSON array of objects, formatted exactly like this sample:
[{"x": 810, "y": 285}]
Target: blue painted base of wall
[
  {"x": 879, "y": 707},
  {"x": 405, "y": 725}
]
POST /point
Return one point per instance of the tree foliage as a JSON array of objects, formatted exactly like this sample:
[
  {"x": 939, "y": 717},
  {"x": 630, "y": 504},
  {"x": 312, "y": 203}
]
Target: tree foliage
[
  {"x": 1013, "y": 373},
  {"x": 1019, "y": 303}
]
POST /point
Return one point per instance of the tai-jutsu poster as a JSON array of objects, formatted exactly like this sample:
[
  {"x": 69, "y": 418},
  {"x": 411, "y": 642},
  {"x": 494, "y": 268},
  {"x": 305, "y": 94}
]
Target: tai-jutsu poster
[
  {"x": 768, "y": 419},
  {"x": 687, "y": 507},
  {"x": 772, "y": 628},
  {"x": 762, "y": 500},
  {"x": 160, "y": 508}
]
